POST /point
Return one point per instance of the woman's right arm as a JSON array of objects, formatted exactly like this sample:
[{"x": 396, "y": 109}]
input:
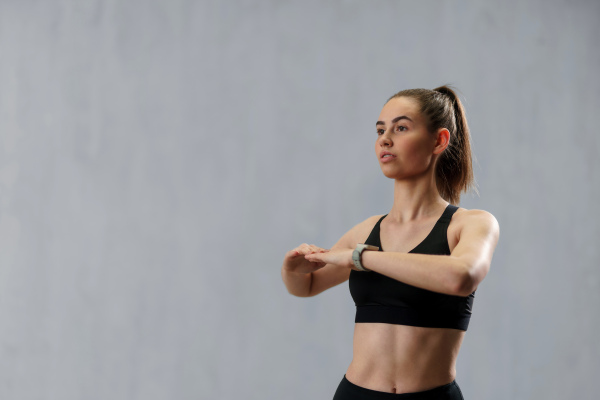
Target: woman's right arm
[{"x": 303, "y": 278}]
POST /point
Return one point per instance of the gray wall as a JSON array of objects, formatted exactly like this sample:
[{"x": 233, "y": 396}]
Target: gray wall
[{"x": 157, "y": 159}]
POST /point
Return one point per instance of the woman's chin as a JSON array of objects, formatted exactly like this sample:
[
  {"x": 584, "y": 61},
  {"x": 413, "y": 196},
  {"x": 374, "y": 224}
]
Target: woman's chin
[{"x": 390, "y": 175}]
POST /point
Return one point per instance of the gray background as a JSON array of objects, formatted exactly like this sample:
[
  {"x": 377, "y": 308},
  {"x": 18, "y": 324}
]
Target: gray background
[{"x": 159, "y": 158}]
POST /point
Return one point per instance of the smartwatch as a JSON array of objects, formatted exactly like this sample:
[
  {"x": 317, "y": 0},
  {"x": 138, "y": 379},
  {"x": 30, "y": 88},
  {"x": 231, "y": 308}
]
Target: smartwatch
[{"x": 358, "y": 252}]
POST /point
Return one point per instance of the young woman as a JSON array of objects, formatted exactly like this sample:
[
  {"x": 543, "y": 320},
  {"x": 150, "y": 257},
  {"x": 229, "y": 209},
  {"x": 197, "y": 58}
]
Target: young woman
[{"x": 413, "y": 272}]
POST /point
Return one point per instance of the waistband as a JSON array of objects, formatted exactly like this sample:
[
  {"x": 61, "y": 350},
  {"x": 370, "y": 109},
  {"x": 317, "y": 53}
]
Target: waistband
[{"x": 430, "y": 394}]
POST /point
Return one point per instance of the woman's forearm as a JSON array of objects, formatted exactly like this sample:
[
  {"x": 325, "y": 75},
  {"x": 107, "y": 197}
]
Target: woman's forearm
[
  {"x": 438, "y": 273},
  {"x": 297, "y": 284}
]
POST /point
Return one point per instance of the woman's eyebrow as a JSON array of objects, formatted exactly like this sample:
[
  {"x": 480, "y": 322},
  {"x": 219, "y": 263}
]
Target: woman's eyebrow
[{"x": 394, "y": 120}]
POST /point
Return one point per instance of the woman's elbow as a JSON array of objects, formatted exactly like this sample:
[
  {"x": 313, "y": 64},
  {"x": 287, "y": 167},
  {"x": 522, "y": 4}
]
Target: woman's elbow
[{"x": 465, "y": 283}]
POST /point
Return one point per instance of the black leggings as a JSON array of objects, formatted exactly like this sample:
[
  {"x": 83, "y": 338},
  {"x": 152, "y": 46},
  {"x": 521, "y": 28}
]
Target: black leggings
[{"x": 349, "y": 391}]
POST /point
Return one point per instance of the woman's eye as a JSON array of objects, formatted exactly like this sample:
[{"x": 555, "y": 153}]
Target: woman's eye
[
  {"x": 380, "y": 131},
  {"x": 401, "y": 128}
]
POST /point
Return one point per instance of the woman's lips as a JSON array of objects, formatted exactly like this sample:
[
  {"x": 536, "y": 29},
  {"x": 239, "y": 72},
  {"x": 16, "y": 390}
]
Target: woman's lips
[{"x": 387, "y": 158}]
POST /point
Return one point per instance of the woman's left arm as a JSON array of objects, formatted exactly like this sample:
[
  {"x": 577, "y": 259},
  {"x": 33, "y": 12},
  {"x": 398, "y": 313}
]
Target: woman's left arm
[{"x": 458, "y": 274}]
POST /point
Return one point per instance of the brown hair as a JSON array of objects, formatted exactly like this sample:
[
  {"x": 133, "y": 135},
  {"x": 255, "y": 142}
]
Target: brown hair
[{"x": 443, "y": 109}]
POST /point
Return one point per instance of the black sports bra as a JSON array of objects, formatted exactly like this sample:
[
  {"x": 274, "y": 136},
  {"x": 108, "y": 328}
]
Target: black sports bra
[{"x": 379, "y": 298}]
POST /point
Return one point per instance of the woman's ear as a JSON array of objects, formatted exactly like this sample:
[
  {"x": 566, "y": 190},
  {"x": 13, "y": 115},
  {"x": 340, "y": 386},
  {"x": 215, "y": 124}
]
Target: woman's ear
[{"x": 442, "y": 140}]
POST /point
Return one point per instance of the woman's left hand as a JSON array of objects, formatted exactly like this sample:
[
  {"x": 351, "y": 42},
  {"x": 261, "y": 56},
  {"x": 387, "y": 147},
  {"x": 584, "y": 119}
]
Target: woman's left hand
[{"x": 338, "y": 257}]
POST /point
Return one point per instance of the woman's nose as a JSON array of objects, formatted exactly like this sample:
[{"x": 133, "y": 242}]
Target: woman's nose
[{"x": 385, "y": 139}]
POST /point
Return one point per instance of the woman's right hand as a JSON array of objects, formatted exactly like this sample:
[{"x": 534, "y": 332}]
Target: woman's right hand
[{"x": 294, "y": 260}]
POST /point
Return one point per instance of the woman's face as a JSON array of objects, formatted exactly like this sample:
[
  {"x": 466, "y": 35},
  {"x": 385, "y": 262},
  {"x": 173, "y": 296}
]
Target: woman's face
[{"x": 402, "y": 133}]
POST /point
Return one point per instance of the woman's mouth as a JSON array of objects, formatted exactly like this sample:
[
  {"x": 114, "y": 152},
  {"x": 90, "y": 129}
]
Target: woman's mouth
[{"x": 387, "y": 157}]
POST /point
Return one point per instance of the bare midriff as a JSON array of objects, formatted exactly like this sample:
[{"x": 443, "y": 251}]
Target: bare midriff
[{"x": 403, "y": 359}]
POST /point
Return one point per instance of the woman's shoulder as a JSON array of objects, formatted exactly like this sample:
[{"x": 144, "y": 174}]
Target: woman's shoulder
[
  {"x": 472, "y": 225},
  {"x": 364, "y": 228},
  {"x": 469, "y": 214},
  {"x": 358, "y": 233},
  {"x": 370, "y": 222},
  {"x": 469, "y": 217}
]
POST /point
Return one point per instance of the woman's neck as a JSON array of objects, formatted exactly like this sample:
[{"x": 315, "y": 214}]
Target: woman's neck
[{"x": 415, "y": 199}]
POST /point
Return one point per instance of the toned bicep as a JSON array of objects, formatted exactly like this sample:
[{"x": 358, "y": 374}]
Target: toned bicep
[
  {"x": 331, "y": 274},
  {"x": 478, "y": 238}
]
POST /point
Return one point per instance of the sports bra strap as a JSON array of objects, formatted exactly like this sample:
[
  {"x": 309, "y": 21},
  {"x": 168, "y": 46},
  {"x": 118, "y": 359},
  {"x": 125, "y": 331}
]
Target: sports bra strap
[
  {"x": 448, "y": 212},
  {"x": 373, "y": 238}
]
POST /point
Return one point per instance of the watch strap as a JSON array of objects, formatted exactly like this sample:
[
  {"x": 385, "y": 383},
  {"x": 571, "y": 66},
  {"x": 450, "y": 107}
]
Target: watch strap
[{"x": 357, "y": 253}]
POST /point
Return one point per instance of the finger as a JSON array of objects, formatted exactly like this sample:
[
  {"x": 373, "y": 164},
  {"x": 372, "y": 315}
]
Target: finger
[
  {"x": 312, "y": 257},
  {"x": 317, "y": 249},
  {"x": 302, "y": 249}
]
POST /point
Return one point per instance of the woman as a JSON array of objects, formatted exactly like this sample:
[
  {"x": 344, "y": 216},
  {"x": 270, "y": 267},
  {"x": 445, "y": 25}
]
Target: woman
[{"x": 412, "y": 306}]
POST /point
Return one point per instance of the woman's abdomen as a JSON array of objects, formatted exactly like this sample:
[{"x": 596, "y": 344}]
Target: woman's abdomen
[{"x": 402, "y": 359}]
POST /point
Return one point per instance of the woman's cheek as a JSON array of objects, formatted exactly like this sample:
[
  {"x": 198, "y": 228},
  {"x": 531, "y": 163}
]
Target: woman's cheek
[{"x": 417, "y": 156}]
